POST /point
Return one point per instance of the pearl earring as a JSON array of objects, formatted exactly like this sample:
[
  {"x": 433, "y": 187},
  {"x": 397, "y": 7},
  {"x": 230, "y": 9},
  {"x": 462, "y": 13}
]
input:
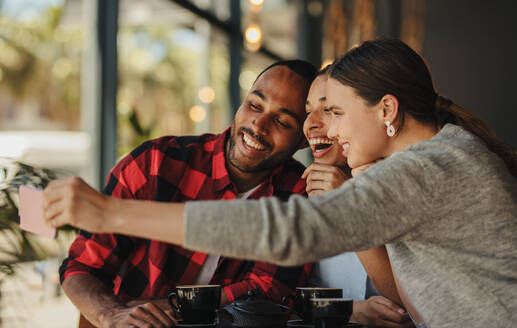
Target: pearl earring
[{"x": 390, "y": 130}]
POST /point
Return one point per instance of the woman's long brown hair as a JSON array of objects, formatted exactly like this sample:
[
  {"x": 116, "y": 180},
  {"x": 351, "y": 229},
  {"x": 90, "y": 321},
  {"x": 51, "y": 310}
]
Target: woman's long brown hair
[{"x": 389, "y": 66}]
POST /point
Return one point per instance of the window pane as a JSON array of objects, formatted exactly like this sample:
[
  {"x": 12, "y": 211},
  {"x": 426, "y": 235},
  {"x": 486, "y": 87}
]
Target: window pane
[
  {"x": 173, "y": 72},
  {"x": 41, "y": 44}
]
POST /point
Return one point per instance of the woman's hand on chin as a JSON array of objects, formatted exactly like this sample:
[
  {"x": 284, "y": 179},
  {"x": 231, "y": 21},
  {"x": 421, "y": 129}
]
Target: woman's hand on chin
[
  {"x": 323, "y": 177},
  {"x": 72, "y": 201},
  {"x": 362, "y": 168}
]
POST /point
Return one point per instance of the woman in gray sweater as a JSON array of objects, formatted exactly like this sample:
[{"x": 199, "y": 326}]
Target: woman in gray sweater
[
  {"x": 442, "y": 197},
  {"x": 347, "y": 270}
]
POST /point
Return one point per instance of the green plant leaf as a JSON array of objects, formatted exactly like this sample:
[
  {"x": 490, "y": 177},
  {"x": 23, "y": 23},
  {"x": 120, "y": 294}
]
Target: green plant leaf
[{"x": 19, "y": 245}]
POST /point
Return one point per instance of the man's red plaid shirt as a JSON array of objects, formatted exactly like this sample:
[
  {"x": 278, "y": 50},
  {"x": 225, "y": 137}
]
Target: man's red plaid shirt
[{"x": 179, "y": 169}]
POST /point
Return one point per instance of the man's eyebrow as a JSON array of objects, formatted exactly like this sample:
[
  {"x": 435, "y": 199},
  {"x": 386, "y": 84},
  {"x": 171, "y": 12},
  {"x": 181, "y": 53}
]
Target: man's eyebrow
[
  {"x": 289, "y": 112},
  {"x": 282, "y": 109},
  {"x": 259, "y": 94}
]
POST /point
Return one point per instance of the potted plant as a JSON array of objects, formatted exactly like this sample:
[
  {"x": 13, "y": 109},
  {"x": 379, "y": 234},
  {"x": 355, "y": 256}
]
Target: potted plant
[{"x": 18, "y": 245}]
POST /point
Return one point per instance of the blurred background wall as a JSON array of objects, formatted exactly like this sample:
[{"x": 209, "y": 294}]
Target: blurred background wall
[{"x": 471, "y": 47}]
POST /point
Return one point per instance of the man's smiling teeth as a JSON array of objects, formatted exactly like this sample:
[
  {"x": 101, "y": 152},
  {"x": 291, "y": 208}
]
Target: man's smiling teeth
[{"x": 251, "y": 143}]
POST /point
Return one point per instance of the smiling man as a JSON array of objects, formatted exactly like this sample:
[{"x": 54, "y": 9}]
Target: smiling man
[{"x": 117, "y": 280}]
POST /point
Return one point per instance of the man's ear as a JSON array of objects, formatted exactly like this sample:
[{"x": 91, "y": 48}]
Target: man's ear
[{"x": 390, "y": 108}]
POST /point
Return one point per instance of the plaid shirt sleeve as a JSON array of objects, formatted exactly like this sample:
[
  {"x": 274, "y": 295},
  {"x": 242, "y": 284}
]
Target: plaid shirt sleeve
[
  {"x": 274, "y": 281},
  {"x": 102, "y": 255}
]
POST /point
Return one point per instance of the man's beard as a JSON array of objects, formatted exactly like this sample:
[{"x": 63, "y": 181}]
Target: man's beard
[{"x": 266, "y": 164}]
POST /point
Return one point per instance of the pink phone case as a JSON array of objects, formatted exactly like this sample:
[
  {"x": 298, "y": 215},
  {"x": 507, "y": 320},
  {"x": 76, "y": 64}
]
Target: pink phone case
[{"x": 31, "y": 212}]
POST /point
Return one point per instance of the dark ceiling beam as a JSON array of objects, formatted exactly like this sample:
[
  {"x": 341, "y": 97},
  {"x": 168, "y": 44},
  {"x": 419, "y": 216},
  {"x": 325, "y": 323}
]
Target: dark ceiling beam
[
  {"x": 234, "y": 49},
  {"x": 226, "y": 27},
  {"x": 107, "y": 29},
  {"x": 310, "y": 34}
]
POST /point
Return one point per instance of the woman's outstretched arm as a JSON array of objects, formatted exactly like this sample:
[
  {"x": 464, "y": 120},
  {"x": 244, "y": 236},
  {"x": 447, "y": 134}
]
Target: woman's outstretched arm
[
  {"x": 379, "y": 206},
  {"x": 363, "y": 213},
  {"x": 72, "y": 201}
]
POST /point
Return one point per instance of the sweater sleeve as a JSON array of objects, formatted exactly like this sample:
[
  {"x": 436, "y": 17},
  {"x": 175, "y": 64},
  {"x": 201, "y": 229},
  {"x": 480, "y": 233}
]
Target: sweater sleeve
[{"x": 382, "y": 205}]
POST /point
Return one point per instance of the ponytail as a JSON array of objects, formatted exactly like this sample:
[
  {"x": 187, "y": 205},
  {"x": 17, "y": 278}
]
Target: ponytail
[{"x": 448, "y": 112}]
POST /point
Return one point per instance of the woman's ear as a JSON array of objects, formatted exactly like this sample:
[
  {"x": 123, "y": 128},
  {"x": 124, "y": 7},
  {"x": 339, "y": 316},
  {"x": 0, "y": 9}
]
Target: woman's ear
[{"x": 390, "y": 108}]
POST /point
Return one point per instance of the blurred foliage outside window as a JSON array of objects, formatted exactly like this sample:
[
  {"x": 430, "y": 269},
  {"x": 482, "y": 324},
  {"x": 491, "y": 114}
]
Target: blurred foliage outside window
[
  {"x": 158, "y": 62},
  {"x": 158, "y": 71},
  {"x": 39, "y": 71}
]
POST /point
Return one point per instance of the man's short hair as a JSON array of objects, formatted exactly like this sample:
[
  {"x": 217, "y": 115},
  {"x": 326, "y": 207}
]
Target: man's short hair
[{"x": 301, "y": 67}]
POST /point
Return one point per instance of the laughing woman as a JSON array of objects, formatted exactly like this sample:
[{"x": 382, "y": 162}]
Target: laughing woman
[
  {"x": 346, "y": 271},
  {"x": 443, "y": 199}
]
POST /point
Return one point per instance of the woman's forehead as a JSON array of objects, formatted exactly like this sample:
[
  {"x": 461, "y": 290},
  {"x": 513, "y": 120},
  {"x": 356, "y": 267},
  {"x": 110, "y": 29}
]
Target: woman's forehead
[
  {"x": 334, "y": 88},
  {"x": 318, "y": 87}
]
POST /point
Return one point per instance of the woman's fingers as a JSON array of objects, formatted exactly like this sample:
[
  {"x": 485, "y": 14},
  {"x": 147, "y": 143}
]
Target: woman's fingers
[
  {"x": 319, "y": 185},
  {"x": 52, "y": 210},
  {"x": 321, "y": 178},
  {"x": 61, "y": 189},
  {"x": 362, "y": 168},
  {"x": 332, "y": 179},
  {"x": 390, "y": 304},
  {"x": 324, "y": 167},
  {"x": 59, "y": 214},
  {"x": 319, "y": 167},
  {"x": 316, "y": 192},
  {"x": 326, "y": 176},
  {"x": 72, "y": 201},
  {"x": 57, "y": 199},
  {"x": 307, "y": 171},
  {"x": 54, "y": 192},
  {"x": 387, "y": 310}
]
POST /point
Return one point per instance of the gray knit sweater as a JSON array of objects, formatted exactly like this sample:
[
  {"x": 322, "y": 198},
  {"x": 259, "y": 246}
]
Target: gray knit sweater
[{"x": 446, "y": 208}]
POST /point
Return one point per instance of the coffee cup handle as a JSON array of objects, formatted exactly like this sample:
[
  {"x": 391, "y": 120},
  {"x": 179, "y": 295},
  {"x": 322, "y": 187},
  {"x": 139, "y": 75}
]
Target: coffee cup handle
[
  {"x": 287, "y": 309},
  {"x": 286, "y": 299},
  {"x": 173, "y": 296}
]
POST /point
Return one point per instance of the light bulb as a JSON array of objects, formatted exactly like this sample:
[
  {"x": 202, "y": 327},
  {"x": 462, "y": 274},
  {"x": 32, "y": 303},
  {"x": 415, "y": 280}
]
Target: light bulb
[{"x": 197, "y": 114}]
